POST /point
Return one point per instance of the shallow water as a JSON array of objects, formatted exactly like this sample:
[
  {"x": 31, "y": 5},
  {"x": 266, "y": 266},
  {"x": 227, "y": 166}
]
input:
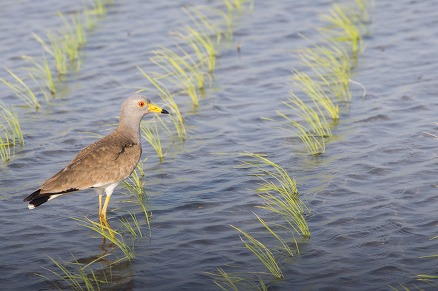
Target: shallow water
[{"x": 372, "y": 195}]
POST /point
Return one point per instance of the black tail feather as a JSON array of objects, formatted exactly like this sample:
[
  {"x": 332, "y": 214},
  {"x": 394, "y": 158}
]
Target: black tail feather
[
  {"x": 40, "y": 200},
  {"x": 36, "y": 198},
  {"x": 32, "y": 196}
]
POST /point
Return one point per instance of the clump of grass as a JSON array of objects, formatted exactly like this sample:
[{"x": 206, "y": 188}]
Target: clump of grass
[
  {"x": 73, "y": 35},
  {"x": 21, "y": 90},
  {"x": 151, "y": 133},
  {"x": 179, "y": 71},
  {"x": 341, "y": 28},
  {"x": 12, "y": 124},
  {"x": 332, "y": 67},
  {"x": 111, "y": 235},
  {"x": 316, "y": 92},
  {"x": 56, "y": 48},
  {"x": 175, "y": 116},
  {"x": 5, "y": 144},
  {"x": 315, "y": 129},
  {"x": 135, "y": 185},
  {"x": 134, "y": 230},
  {"x": 42, "y": 72},
  {"x": 262, "y": 252},
  {"x": 279, "y": 192}
]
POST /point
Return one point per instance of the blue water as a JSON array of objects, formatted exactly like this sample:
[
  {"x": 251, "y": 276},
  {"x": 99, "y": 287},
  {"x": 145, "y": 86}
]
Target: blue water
[{"x": 372, "y": 195}]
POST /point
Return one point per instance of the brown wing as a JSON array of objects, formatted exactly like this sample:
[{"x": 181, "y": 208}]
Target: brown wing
[{"x": 108, "y": 160}]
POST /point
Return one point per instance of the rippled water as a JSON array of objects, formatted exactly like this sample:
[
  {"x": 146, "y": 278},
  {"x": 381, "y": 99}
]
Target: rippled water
[{"x": 372, "y": 195}]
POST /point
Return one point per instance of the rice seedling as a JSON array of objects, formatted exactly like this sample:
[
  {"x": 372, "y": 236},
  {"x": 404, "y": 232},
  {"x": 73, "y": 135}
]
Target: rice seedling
[
  {"x": 57, "y": 49},
  {"x": 77, "y": 276},
  {"x": 284, "y": 244},
  {"x": 89, "y": 19},
  {"x": 21, "y": 90},
  {"x": 5, "y": 144},
  {"x": 98, "y": 7},
  {"x": 43, "y": 72},
  {"x": 179, "y": 72},
  {"x": 150, "y": 133},
  {"x": 135, "y": 185},
  {"x": 238, "y": 5},
  {"x": 279, "y": 192},
  {"x": 128, "y": 226},
  {"x": 314, "y": 117},
  {"x": 316, "y": 92},
  {"x": 107, "y": 233},
  {"x": 166, "y": 96},
  {"x": 73, "y": 35},
  {"x": 261, "y": 252},
  {"x": 341, "y": 28},
  {"x": 10, "y": 118},
  {"x": 204, "y": 41},
  {"x": 332, "y": 66},
  {"x": 315, "y": 145}
]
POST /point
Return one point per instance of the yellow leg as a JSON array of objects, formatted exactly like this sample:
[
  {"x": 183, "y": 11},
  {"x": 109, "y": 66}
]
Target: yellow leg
[
  {"x": 101, "y": 220},
  {"x": 102, "y": 213}
]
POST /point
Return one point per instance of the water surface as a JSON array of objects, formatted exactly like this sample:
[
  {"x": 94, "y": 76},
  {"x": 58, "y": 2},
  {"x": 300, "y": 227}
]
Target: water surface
[{"x": 372, "y": 195}]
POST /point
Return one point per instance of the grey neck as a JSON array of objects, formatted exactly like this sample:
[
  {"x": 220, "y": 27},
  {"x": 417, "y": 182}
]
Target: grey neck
[{"x": 130, "y": 128}]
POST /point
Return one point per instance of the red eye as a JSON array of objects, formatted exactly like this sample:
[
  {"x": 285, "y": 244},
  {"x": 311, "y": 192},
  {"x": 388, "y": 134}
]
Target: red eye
[{"x": 141, "y": 104}]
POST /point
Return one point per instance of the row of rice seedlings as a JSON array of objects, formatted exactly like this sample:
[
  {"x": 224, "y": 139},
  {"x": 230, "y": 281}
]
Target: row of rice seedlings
[
  {"x": 280, "y": 196},
  {"x": 63, "y": 48},
  {"x": 328, "y": 84},
  {"x": 190, "y": 63}
]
